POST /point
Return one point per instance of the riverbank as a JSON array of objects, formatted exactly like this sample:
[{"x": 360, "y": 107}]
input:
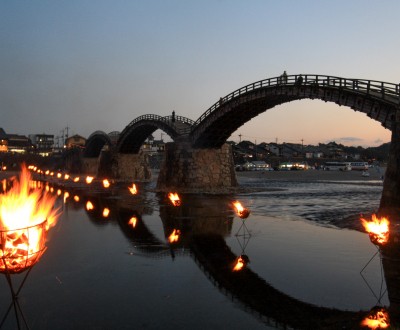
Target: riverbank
[{"x": 375, "y": 174}]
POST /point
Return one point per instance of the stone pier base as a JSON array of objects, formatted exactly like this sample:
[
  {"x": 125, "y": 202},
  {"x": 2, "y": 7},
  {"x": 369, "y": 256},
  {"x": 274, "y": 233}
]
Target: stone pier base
[
  {"x": 390, "y": 200},
  {"x": 131, "y": 167},
  {"x": 90, "y": 166},
  {"x": 188, "y": 170}
]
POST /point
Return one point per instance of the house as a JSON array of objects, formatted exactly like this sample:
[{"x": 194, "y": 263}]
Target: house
[
  {"x": 75, "y": 141},
  {"x": 44, "y": 143}
]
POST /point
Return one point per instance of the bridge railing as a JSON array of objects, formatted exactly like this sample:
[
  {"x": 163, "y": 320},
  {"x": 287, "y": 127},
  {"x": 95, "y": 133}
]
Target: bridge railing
[
  {"x": 165, "y": 119},
  {"x": 378, "y": 89}
]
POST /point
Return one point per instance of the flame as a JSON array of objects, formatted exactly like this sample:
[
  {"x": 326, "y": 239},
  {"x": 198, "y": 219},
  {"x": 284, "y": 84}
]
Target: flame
[
  {"x": 66, "y": 195},
  {"x": 59, "y": 175},
  {"x": 132, "y": 222},
  {"x": 89, "y": 206},
  {"x": 378, "y": 229},
  {"x": 174, "y": 198},
  {"x": 66, "y": 176},
  {"x": 239, "y": 264},
  {"x": 133, "y": 189},
  {"x": 174, "y": 237},
  {"x": 378, "y": 319},
  {"x": 241, "y": 211},
  {"x": 106, "y": 183},
  {"x": 76, "y": 179},
  {"x": 106, "y": 212},
  {"x": 25, "y": 217},
  {"x": 76, "y": 198},
  {"x": 89, "y": 179}
]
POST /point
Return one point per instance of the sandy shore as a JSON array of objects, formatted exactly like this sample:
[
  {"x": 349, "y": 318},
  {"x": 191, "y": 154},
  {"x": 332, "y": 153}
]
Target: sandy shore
[{"x": 313, "y": 175}]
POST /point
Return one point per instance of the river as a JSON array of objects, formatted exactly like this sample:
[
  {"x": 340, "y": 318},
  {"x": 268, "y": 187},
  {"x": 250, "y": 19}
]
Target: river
[{"x": 306, "y": 250}]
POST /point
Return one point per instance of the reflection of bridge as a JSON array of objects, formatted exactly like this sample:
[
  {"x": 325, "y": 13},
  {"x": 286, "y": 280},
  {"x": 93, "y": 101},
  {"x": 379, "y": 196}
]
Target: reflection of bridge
[
  {"x": 203, "y": 239},
  {"x": 200, "y": 160}
]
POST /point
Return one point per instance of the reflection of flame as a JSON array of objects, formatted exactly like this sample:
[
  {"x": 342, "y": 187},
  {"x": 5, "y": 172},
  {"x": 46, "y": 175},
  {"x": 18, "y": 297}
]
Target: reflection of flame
[
  {"x": 240, "y": 263},
  {"x": 174, "y": 198},
  {"x": 133, "y": 189},
  {"x": 241, "y": 211},
  {"x": 89, "y": 206},
  {"x": 174, "y": 237},
  {"x": 23, "y": 225},
  {"x": 106, "y": 183},
  {"x": 89, "y": 179},
  {"x": 377, "y": 319},
  {"x": 378, "y": 229},
  {"x": 132, "y": 222},
  {"x": 106, "y": 212}
]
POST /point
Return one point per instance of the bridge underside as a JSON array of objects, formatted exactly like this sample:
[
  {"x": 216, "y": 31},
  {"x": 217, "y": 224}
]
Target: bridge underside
[{"x": 231, "y": 115}]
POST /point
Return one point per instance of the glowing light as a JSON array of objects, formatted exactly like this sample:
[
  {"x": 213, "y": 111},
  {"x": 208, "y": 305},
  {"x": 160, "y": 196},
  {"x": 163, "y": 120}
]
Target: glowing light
[
  {"x": 174, "y": 237},
  {"x": 106, "y": 212},
  {"x": 377, "y": 319},
  {"x": 89, "y": 206},
  {"x": 133, "y": 189},
  {"x": 241, "y": 211},
  {"x": 76, "y": 179},
  {"x": 89, "y": 179},
  {"x": 106, "y": 183},
  {"x": 25, "y": 217},
  {"x": 378, "y": 229},
  {"x": 174, "y": 198},
  {"x": 132, "y": 222}
]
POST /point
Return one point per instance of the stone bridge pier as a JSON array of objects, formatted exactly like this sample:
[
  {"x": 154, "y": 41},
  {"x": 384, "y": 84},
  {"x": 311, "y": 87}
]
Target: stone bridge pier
[
  {"x": 130, "y": 167},
  {"x": 196, "y": 170},
  {"x": 390, "y": 200}
]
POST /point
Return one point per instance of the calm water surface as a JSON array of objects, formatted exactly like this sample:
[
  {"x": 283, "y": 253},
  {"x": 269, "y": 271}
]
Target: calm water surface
[{"x": 102, "y": 273}]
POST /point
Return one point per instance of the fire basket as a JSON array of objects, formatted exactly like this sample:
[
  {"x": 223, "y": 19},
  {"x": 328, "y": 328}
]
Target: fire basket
[{"x": 20, "y": 250}]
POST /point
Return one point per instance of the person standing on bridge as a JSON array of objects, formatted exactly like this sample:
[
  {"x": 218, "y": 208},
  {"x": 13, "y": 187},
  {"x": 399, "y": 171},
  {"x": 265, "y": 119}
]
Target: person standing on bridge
[
  {"x": 284, "y": 77},
  {"x": 173, "y": 116}
]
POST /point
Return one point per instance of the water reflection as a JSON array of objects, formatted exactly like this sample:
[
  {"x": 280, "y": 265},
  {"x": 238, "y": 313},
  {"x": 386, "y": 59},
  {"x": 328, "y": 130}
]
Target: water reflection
[{"x": 201, "y": 227}]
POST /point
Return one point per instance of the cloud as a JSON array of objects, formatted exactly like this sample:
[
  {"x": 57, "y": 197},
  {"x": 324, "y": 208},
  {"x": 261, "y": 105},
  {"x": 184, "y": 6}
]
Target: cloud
[{"x": 348, "y": 140}]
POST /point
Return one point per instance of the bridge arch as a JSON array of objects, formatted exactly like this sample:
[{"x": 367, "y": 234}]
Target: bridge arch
[
  {"x": 138, "y": 130},
  {"x": 95, "y": 143},
  {"x": 378, "y": 100}
]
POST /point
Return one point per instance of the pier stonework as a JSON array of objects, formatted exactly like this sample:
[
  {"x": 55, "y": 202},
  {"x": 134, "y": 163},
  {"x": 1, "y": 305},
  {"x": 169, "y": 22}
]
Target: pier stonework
[
  {"x": 191, "y": 170},
  {"x": 90, "y": 165},
  {"x": 390, "y": 200},
  {"x": 131, "y": 167}
]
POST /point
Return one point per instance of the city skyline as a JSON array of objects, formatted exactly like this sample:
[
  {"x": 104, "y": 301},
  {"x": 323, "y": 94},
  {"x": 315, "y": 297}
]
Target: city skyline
[{"x": 98, "y": 65}]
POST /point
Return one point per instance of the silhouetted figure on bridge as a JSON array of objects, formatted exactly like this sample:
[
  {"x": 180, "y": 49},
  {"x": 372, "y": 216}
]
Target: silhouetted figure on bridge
[
  {"x": 299, "y": 80},
  {"x": 173, "y": 116}
]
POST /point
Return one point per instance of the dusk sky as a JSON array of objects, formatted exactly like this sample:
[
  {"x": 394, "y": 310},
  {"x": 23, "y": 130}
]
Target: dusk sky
[{"x": 97, "y": 65}]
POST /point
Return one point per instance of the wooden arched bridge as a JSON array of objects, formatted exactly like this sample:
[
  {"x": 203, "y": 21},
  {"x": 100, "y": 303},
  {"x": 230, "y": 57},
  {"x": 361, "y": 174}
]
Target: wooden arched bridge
[{"x": 199, "y": 160}]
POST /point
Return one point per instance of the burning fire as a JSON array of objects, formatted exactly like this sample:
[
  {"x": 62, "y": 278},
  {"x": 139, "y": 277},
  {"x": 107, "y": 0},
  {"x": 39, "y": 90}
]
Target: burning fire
[
  {"x": 76, "y": 179},
  {"x": 378, "y": 229},
  {"x": 106, "y": 212},
  {"x": 89, "y": 179},
  {"x": 89, "y": 206},
  {"x": 377, "y": 319},
  {"x": 174, "y": 198},
  {"x": 106, "y": 183},
  {"x": 133, "y": 189},
  {"x": 25, "y": 217},
  {"x": 241, "y": 211},
  {"x": 132, "y": 222},
  {"x": 240, "y": 263},
  {"x": 174, "y": 237}
]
